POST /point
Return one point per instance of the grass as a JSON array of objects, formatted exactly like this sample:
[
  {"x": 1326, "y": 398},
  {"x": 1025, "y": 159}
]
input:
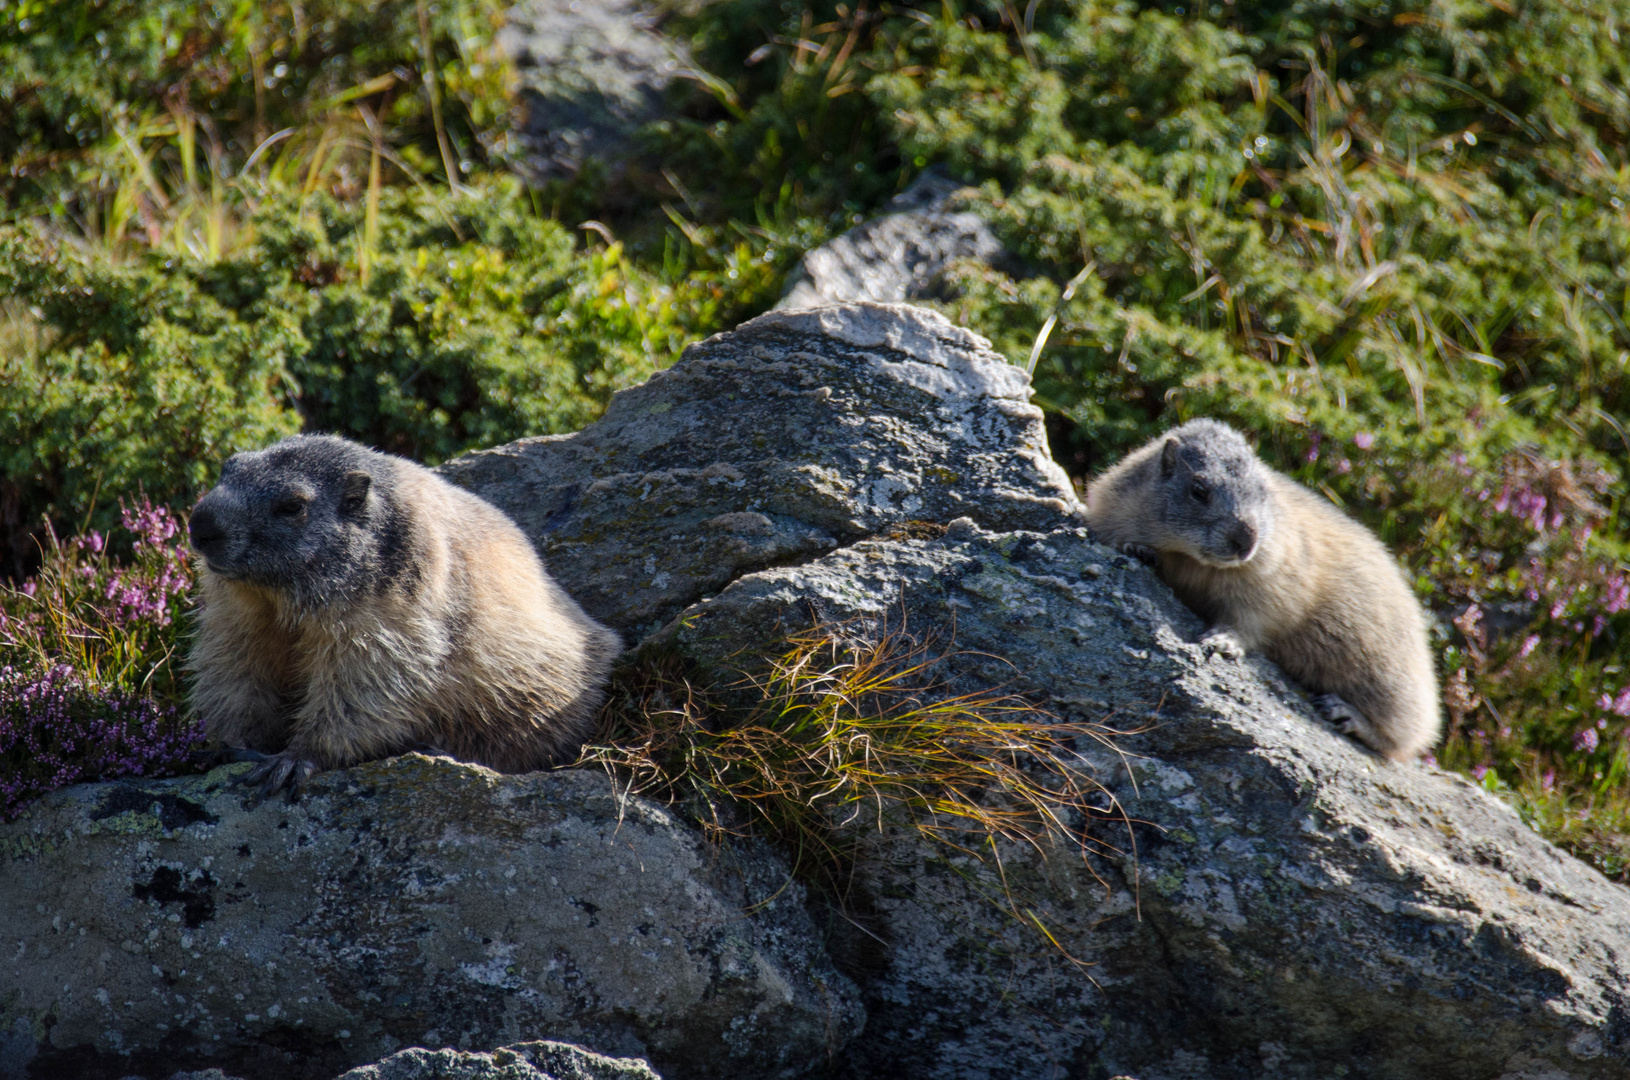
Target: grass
[{"x": 846, "y": 732}]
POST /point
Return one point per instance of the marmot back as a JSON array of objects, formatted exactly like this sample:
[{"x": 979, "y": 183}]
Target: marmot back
[
  {"x": 1271, "y": 566},
  {"x": 355, "y": 605}
]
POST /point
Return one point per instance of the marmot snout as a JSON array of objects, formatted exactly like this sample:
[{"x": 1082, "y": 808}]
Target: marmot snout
[
  {"x": 1271, "y": 566},
  {"x": 354, "y": 605}
]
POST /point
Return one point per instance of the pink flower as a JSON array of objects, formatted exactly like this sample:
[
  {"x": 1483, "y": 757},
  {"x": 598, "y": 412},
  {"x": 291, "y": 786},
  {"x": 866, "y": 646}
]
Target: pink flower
[
  {"x": 1616, "y": 595},
  {"x": 1621, "y": 704},
  {"x": 1586, "y": 740},
  {"x": 1529, "y": 644},
  {"x": 1363, "y": 440}
]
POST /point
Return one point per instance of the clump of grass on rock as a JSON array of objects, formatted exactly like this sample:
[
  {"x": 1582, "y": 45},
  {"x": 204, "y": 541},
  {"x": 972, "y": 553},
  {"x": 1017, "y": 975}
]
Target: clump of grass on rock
[{"x": 851, "y": 730}]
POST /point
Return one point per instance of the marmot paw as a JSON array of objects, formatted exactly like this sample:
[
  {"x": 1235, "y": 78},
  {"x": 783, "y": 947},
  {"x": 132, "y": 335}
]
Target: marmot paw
[
  {"x": 1333, "y": 709},
  {"x": 1145, "y": 554},
  {"x": 276, "y": 771},
  {"x": 1222, "y": 643}
]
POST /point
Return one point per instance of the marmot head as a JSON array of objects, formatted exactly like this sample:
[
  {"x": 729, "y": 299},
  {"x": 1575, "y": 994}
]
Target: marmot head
[
  {"x": 310, "y": 518},
  {"x": 1213, "y": 494}
]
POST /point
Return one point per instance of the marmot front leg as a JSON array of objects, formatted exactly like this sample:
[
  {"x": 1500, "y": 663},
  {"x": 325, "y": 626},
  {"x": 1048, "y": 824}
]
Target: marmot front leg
[{"x": 243, "y": 710}]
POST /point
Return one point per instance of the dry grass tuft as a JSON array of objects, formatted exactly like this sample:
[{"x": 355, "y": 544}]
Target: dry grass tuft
[{"x": 842, "y": 735}]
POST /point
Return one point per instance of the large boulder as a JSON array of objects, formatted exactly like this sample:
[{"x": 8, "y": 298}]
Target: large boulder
[
  {"x": 794, "y": 434},
  {"x": 1285, "y": 904},
  {"x": 901, "y": 254},
  {"x": 153, "y": 925},
  {"x": 525, "y": 1061},
  {"x": 591, "y": 75}
]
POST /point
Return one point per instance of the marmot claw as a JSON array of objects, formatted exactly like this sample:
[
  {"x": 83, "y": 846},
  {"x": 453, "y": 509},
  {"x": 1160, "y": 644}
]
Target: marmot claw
[
  {"x": 277, "y": 771},
  {"x": 1222, "y": 643},
  {"x": 1145, "y": 554},
  {"x": 1333, "y": 709}
]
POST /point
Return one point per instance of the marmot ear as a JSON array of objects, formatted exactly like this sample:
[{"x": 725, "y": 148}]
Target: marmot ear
[
  {"x": 355, "y": 490},
  {"x": 1168, "y": 458}
]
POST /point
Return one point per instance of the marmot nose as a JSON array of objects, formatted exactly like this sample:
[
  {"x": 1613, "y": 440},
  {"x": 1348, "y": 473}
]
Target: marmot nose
[
  {"x": 205, "y": 530},
  {"x": 1242, "y": 538}
]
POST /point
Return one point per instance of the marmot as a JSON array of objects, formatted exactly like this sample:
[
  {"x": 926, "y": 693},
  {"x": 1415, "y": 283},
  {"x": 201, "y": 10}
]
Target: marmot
[
  {"x": 1272, "y": 566},
  {"x": 355, "y": 605}
]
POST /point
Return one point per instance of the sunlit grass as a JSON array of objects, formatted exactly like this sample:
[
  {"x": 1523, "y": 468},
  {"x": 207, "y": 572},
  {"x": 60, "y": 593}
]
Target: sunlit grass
[{"x": 842, "y": 734}]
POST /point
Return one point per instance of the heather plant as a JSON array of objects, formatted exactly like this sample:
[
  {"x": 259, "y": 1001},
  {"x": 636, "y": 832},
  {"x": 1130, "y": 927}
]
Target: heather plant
[{"x": 89, "y": 686}]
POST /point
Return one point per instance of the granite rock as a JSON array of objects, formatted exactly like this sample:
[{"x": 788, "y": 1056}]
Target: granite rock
[
  {"x": 778, "y": 442},
  {"x": 1283, "y": 903},
  {"x": 523, "y": 1061},
  {"x": 901, "y": 254},
  {"x": 417, "y": 901}
]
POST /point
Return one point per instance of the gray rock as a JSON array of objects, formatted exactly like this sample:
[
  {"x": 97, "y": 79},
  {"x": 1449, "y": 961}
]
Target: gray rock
[
  {"x": 1296, "y": 907},
  {"x": 414, "y": 901},
  {"x": 900, "y": 255},
  {"x": 592, "y": 72},
  {"x": 796, "y": 433},
  {"x": 523, "y": 1061}
]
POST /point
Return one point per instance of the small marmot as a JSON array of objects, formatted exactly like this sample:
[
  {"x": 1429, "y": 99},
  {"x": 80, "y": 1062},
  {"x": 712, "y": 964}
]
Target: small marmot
[
  {"x": 355, "y": 605},
  {"x": 1271, "y": 566}
]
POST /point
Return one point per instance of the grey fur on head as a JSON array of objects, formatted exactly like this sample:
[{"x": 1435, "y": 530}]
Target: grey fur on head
[
  {"x": 1214, "y": 493},
  {"x": 314, "y": 516}
]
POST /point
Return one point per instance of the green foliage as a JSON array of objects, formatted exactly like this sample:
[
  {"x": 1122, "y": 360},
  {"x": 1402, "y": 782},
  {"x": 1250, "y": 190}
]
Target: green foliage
[
  {"x": 118, "y": 378},
  {"x": 113, "y": 112}
]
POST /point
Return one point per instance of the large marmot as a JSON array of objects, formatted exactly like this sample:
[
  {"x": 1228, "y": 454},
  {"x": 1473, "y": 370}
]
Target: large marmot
[
  {"x": 1272, "y": 566},
  {"x": 355, "y": 605}
]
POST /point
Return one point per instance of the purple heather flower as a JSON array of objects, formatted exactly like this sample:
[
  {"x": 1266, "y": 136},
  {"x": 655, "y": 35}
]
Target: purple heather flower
[
  {"x": 1616, "y": 594},
  {"x": 1586, "y": 740},
  {"x": 1363, "y": 440},
  {"x": 1529, "y": 644}
]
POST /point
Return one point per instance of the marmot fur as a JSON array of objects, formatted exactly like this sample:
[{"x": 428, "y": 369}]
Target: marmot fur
[
  {"x": 1272, "y": 566},
  {"x": 355, "y": 605}
]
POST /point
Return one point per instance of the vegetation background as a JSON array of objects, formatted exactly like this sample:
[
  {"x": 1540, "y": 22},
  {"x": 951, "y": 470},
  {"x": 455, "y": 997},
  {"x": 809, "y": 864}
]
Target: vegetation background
[{"x": 1388, "y": 238}]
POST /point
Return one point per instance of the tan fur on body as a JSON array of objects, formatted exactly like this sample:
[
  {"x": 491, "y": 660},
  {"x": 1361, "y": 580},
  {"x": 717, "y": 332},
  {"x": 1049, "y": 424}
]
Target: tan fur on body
[
  {"x": 1319, "y": 595},
  {"x": 468, "y": 646}
]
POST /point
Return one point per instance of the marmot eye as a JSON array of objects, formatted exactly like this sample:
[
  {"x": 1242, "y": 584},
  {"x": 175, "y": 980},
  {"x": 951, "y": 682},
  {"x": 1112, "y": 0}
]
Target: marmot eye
[
  {"x": 289, "y": 507},
  {"x": 1200, "y": 492}
]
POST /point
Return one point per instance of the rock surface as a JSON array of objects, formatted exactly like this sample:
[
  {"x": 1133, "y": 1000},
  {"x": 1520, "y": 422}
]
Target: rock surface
[
  {"x": 417, "y": 901},
  {"x": 796, "y": 433},
  {"x": 1296, "y": 906},
  {"x": 591, "y": 74},
  {"x": 524, "y": 1061},
  {"x": 902, "y": 254}
]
